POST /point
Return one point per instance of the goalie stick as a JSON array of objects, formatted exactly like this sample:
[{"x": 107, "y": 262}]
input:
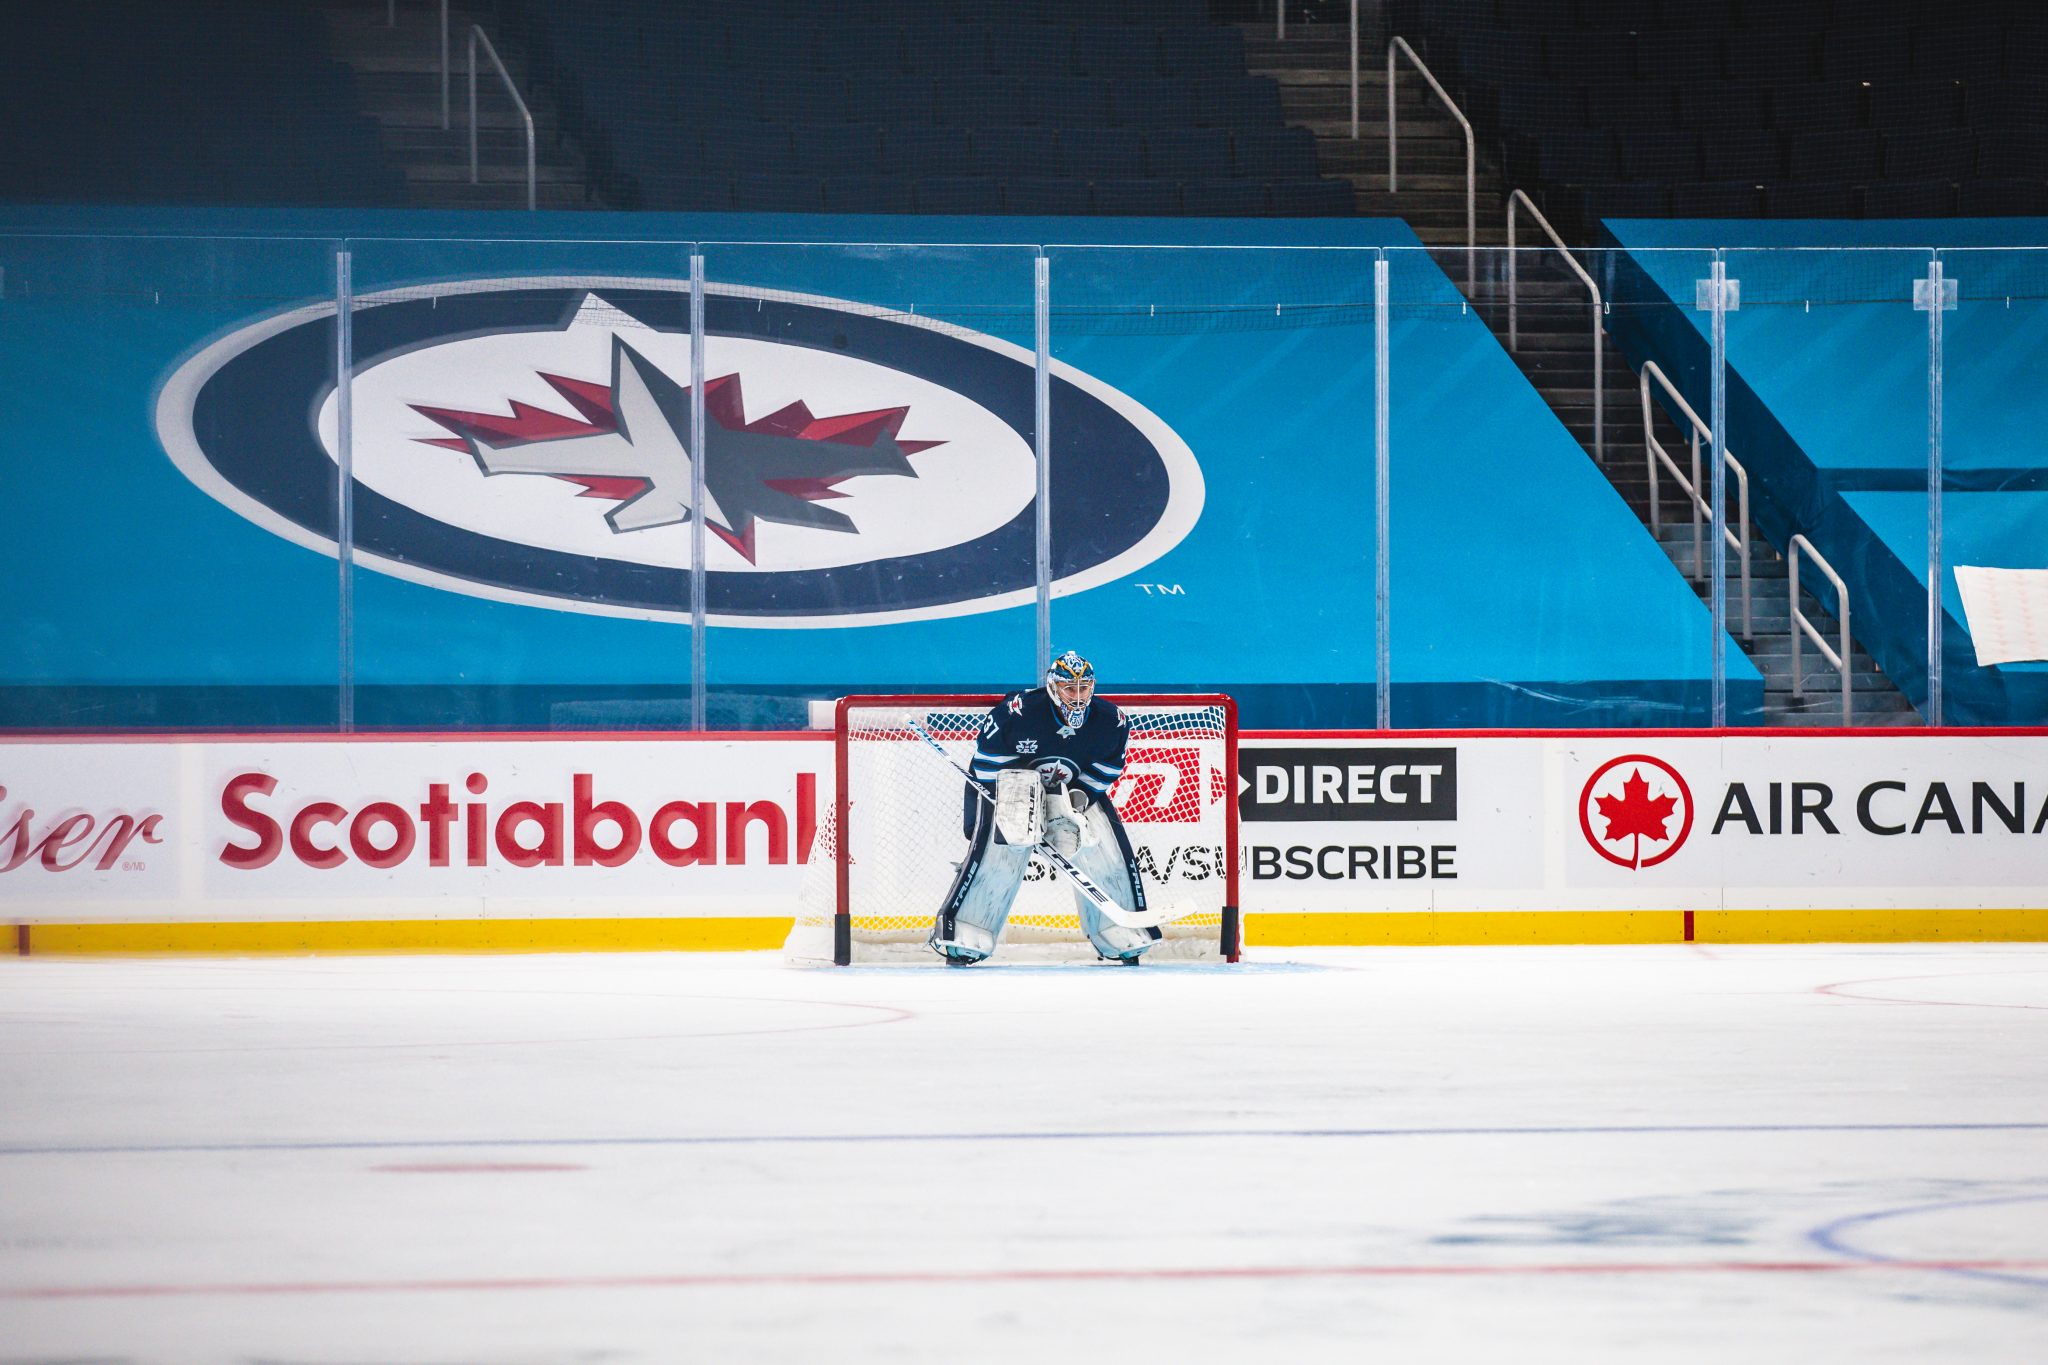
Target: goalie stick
[{"x": 1111, "y": 911}]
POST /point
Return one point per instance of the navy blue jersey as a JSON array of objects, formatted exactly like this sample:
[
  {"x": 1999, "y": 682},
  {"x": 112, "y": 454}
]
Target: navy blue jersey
[{"x": 1024, "y": 731}]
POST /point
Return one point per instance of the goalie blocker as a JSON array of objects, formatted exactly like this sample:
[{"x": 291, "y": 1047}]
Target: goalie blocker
[{"x": 894, "y": 837}]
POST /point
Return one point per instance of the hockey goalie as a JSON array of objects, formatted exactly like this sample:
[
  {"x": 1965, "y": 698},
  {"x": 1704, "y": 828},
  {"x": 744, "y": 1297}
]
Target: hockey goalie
[{"x": 1044, "y": 762}]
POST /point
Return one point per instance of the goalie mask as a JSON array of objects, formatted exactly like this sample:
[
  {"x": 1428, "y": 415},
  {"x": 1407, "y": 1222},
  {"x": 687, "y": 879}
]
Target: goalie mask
[{"x": 1070, "y": 682}]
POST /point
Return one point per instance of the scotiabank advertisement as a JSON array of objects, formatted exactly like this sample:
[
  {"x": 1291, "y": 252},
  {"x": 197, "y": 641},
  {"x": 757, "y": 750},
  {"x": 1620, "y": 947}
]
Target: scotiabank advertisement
[
  {"x": 365, "y": 829},
  {"x": 545, "y": 827}
]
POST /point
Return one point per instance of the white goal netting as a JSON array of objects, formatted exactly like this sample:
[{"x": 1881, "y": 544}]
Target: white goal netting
[{"x": 891, "y": 862}]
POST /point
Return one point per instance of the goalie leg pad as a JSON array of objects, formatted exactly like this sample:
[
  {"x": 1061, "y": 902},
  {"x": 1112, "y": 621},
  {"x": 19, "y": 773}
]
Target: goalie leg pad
[
  {"x": 1105, "y": 855},
  {"x": 1018, "y": 816},
  {"x": 976, "y": 909}
]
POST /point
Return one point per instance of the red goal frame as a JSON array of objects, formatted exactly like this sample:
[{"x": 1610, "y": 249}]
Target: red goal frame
[{"x": 1231, "y": 938}]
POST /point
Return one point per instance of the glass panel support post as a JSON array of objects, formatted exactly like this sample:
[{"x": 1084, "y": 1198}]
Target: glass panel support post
[
  {"x": 1718, "y": 296},
  {"x": 344, "y": 488},
  {"x": 1382, "y": 464},
  {"x": 697, "y": 498},
  {"x": 1934, "y": 296},
  {"x": 1041, "y": 417}
]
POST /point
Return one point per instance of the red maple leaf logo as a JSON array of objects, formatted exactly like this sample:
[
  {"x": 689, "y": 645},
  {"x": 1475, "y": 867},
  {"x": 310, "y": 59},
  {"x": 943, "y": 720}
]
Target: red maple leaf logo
[{"x": 1636, "y": 814}]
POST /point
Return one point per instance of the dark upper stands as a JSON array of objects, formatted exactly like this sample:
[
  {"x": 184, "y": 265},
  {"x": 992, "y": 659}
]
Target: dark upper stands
[
  {"x": 932, "y": 106},
  {"x": 194, "y": 102},
  {"x": 1747, "y": 108}
]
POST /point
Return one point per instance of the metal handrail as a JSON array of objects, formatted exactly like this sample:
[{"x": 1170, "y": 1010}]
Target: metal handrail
[
  {"x": 1653, "y": 451},
  {"x": 1802, "y": 624},
  {"x": 476, "y": 35},
  {"x": 1599, "y": 308},
  {"x": 1471, "y": 158}
]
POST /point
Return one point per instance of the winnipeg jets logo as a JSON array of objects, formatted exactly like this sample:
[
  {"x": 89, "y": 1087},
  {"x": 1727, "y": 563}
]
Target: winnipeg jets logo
[
  {"x": 630, "y": 441},
  {"x": 858, "y": 464},
  {"x": 1027, "y": 746},
  {"x": 1066, "y": 732},
  {"x": 1017, "y": 705}
]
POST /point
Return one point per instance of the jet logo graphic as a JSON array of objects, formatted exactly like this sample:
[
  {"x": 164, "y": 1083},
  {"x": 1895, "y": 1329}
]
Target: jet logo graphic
[{"x": 633, "y": 444}]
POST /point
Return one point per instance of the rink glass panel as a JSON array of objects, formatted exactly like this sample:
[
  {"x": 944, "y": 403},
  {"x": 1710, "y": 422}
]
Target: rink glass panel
[
  {"x": 1252, "y": 368},
  {"x": 1827, "y": 381},
  {"x": 509, "y": 400},
  {"x": 160, "y": 574},
  {"x": 886, "y": 538},
  {"x": 1527, "y": 588}
]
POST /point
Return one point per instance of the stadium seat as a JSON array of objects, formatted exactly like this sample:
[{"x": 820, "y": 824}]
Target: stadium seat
[
  {"x": 1959, "y": 52},
  {"x": 763, "y": 148},
  {"x": 908, "y": 99},
  {"x": 1312, "y": 198},
  {"x": 837, "y": 149},
  {"x": 1583, "y": 158},
  {"x": 918, "y": 151},
  {"x": 1630, "y": 108},
  {"x": 2015, "y": 153},
  {"x": 1945, "y": 156},
  {"x": 1817, "y": 199},
  {"x": 1187, "y": 153},
  {"x": 2006, "y": 103},
  {"x": 1711, "y": 199},
  {"x": 1846, "y": 156},
  {"x": 1994, "y": 198},
  {"x": 1874, "y": 54},
  {"x": 946, "y": 50},
  {"x": 1682, "y": 58},
  {"x": 1223, "y": 198},
  {"x": 967, "y": 194},
  {"x": 868, "y": 194},
  {"x": 1817, "y": 107},
  {"x": 1033, "y": 51},
  {"x": 1661, "y": 157},
  {"x": 1720, "y": 107},
  {"x": 1029, "y": 152},
  {"x": 1752, "y": 156},
  {"x": 1150, "y": 198},
  {"x": 1031, "y": 194},
  {"x": 1587, "y": 203},
  {"x": 1589, "y": 58},
  {"x": 1203, "y": 53},
  {"x": 874, "y": 51},
  {"x": 1238, "y": 102},
  {"x": 1540, "y": 109},
  {"x": 1778, "y": 59},
  {"x": 1068, "y": 102},
  {"x": 1913, "y": 105},
  {"x": 1909, "y": 199},
  {"x": 686, "y": 194},
  {"x": 1278, "y": 154},
  {"x": 760, "y": 192},
  {"x": 1119, "y": 53},
  {"x": 972, "y": 101},
  {"x": 1103, "y": 153},
  {"x": 1152, "y": 103}
]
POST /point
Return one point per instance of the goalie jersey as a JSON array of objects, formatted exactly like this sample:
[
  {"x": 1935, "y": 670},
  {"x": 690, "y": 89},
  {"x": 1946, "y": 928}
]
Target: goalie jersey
[{"x": 1024, "y": 731}]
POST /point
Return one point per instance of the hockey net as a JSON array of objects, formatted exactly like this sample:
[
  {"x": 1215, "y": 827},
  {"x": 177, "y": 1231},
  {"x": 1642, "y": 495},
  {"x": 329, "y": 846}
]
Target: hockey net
[{"x": 893, "y": 838}]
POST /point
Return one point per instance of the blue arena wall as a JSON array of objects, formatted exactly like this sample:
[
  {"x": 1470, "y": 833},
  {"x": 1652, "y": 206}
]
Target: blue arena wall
[
  {"x": 1828, "y": 365},
  {"x": 201, "y": 590}
]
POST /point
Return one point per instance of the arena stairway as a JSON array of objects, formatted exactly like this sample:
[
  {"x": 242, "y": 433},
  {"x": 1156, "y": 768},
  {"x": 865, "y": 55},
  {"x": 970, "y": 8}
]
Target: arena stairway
[
  {"x": 398, "y": 69},
  {"x": 1312, "y": 66}
]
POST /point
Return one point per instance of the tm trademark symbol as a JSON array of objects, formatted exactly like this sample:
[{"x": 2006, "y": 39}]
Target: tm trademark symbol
[{"x": 1161, "y": 590}]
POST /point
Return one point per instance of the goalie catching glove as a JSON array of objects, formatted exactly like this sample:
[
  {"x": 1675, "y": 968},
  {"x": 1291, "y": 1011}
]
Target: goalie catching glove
[{"x": 1034, "y": 807}]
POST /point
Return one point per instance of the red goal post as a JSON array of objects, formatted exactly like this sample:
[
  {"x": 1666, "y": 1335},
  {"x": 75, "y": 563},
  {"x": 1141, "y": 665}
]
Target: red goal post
[{"x": 882, "y": 866}]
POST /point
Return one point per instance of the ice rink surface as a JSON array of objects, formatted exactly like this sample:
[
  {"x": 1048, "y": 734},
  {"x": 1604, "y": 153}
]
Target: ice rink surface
[{"x": 1503, "y": 1155}]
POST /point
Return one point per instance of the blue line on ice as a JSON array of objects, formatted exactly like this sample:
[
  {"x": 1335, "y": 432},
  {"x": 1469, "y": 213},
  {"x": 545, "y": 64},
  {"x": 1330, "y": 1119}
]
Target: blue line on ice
[
  {"x": 1148, "y": 1135},
  {"x": 1829, "y": 1236}
]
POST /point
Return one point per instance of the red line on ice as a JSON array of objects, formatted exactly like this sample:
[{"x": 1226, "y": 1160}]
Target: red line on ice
[{"x": 830, "y": 1278}]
